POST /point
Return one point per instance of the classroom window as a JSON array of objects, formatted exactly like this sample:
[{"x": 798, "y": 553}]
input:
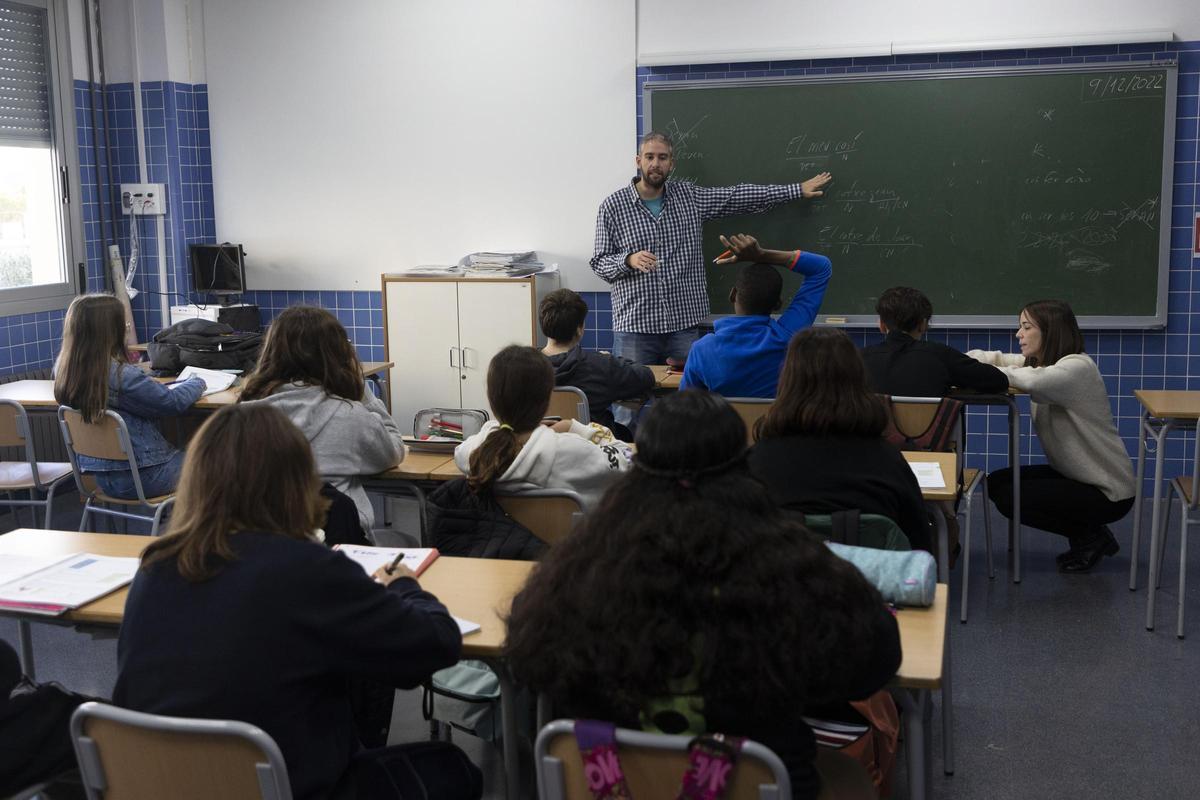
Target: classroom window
[{"x": 39, "y": 224}]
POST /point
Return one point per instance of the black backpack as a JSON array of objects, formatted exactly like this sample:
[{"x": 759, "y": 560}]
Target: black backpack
[{"x": 203, "y": 343}]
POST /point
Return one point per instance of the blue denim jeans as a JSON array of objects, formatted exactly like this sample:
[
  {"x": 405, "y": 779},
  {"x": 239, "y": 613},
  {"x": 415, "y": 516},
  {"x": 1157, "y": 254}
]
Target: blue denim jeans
[
  {"x": 655, "y": 348},
  {"x": 157, "y": 480}
]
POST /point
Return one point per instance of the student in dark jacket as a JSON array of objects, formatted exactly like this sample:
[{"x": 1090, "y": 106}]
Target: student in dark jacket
[
  {"x": 906, "y": 365},
  {"x": 821, "y": 448},
  {"x": 687, "y": 603},
  {"x": 238, "y": 613},
  {"x": 605, "y": 379}
]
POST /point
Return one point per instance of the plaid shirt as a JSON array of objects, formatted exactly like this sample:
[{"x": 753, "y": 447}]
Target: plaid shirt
[{"x": 675, "y": 295}]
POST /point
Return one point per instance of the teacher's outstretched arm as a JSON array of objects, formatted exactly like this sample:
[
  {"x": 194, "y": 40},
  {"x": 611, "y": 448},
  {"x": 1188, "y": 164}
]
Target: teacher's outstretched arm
[{"x": 751, "y": 198}]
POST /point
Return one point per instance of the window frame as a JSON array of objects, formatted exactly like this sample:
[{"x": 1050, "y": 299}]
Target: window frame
[{"x": 64, "y": 138}]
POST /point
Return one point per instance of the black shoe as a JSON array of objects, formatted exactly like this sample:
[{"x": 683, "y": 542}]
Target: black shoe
[
  {"x": 1088, "y": 555},
  {"x": 1070, "y": 554}
]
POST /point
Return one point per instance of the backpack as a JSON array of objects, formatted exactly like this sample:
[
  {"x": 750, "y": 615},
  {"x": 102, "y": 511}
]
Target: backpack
[
  {"x": 203, "y": 343},
  {"x": 855, "y": 529},
  {"x": 938, "y": 436},
  {"x": 867, "y": 731}
]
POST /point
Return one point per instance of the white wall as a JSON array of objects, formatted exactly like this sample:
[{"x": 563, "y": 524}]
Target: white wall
[
  {"x": 354, "y": 139},
  {"x": 670, "y": 30}
]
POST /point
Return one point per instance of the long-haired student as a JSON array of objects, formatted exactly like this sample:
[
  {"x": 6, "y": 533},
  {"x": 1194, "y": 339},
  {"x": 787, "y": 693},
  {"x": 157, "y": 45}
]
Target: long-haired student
[
  {"x": 238, "y": 613},
  {"x": 515, "y": 449},
  {"x": 688, "y": 603},
  {"x": 821, "y": 447},
  {"x": 93, "y": 373},
  {"x": 309, "y": 370},
  {"x": 1088, "y": 481}
]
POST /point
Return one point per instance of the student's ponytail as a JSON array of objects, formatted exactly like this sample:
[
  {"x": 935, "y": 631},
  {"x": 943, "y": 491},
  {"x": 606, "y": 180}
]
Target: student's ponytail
[
  {"x": 519, "y": 383},
  {"x": 492, "y": 458}
]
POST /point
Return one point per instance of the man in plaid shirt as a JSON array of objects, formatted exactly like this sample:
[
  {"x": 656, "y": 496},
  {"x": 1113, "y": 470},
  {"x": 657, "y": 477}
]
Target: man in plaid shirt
[{"x": 648, "y": 238}]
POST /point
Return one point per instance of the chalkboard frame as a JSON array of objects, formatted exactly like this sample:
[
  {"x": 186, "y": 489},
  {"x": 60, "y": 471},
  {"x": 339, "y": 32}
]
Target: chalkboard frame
[{"x": 1170, "y": 99}]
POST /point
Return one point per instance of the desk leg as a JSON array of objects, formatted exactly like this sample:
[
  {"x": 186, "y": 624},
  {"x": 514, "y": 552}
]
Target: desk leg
[
  {"x": 1137, "y": 500},
  {"x": 508, "y": 719},
  {"x": 915, "y": 703},
  {"x": 25, "y": 643},
  {"x": 1155, "y": 520},
  {"x": 947, "y": 710},
  {"x": 1014, "y": 524}
]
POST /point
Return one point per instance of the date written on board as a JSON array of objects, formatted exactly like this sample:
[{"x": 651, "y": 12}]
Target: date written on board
[{"x": 1122, "y": 86}]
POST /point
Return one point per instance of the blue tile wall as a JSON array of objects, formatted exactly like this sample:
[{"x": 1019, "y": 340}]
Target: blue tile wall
[{"x": 1128, "y": 360}]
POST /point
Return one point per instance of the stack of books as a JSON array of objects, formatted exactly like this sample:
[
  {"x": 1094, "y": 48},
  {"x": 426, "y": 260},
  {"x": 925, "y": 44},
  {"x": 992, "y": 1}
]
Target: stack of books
[{"x": 516, "y": 264}]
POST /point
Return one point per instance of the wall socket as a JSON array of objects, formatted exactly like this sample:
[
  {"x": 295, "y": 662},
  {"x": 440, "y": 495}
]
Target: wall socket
[{"x": 144, "y": 199}]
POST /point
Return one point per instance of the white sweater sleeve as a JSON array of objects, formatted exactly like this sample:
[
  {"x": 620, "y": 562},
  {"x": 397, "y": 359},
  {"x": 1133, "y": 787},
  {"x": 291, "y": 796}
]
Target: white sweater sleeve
[
  {"x": 1058, "y": 383},
  {"x": 997, "y": 358}
]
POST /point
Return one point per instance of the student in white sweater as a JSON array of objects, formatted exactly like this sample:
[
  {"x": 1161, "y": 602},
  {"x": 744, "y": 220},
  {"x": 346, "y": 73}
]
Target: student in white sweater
[
  {"x": 1088, "y": 482},
  {"x": 517, "y": 451}
]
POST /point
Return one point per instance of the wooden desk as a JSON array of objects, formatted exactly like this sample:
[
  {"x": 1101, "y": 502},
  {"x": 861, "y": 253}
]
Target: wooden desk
[
  {"x": 665, "y": 379},
  {"x": 925, "y": 666},
  {"x": 416, "y": 466},
  {"x": 948, "y": 463},
  {"x": 1162, "y": 412}
]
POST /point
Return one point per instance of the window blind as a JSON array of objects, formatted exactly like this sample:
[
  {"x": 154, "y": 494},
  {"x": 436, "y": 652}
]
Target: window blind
[{"x": 24, "y": 76}]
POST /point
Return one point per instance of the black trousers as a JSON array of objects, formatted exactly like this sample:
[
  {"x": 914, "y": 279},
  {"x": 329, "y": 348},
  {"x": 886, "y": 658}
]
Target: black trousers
[
  {"x": 416, "y": 771},
  {"x": 1054, "y": 503}
]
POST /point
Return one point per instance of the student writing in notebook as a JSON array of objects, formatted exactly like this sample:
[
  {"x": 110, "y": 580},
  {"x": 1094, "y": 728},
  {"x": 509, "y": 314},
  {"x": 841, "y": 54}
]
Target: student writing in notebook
[
  {"x": 310, "y": 371},
  {"x": 93, "y": 373},
  {"x": 742, "y": 356},
  {"x": 686, "y": 603},
  {"x": 238, "y": 613}
]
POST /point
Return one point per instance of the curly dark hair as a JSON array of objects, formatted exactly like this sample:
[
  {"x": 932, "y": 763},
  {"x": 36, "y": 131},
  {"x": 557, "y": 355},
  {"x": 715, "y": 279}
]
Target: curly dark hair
[{"x": 686, "y": 568}]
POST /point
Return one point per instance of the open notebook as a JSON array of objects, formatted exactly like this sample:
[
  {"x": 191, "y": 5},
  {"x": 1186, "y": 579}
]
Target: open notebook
[
  {"x": 417, "y": 559},
  {"x": 54, "y": 585}
]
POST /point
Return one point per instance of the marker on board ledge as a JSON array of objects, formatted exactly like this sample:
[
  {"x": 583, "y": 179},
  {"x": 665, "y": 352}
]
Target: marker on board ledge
[{"x": 835, "y": 320}]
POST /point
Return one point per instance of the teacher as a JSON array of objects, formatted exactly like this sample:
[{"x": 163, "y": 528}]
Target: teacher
[{"x": 648, "y": 237}]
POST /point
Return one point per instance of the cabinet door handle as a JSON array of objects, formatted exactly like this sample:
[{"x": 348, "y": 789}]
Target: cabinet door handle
[
  {"x": 453, "y": 362},
  {"x": 466, "y": 350}
]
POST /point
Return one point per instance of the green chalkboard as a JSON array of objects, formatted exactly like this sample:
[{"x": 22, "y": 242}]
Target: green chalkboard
[{"x": 986, "y": 189}]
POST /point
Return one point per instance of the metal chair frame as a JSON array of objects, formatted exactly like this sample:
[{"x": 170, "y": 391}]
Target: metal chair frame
[
  {"x": 271, "y": 771},
  {"x": 23, "y": 437},
  {"x": 94, "y": 497},
  {"x": 558, "y": 397}
]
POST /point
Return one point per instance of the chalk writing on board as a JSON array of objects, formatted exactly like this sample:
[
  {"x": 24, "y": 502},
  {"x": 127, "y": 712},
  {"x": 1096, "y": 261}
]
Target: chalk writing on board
[
  {"x": 685, "y": 141},
  {"x": 883, "y": 199},
  {"x": 1084, "y": 261},
  {"x": 1145, "y": 213},
  {"x": 1047, "y": 113},
  {"x": 1055, "y": 176},
  {"x": 848, "y": 238},
  {"x": 1122, "y": 86},
  {"x": 802, "y": 148}
]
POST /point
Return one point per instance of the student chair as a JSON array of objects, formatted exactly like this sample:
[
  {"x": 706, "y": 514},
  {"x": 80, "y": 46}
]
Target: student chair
[
  {"x": 751, "y": 409},
  {"x": 1187, "y": 489},
  {"x": 108, "y": 438},
  {"x": 549, "y": 514},
  {"x": 569, "y": 402},
  {"x": 128, "y": 755},
  {"x": 39, "y": 480},
  {"x": 653, "y": 765}
]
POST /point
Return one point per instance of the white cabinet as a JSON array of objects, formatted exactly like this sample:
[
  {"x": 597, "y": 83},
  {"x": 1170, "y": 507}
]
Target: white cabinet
[{"x": 441, "y": 334}]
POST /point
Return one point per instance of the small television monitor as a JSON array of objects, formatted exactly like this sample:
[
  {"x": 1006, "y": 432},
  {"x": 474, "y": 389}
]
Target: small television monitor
[{"x": 218, "y": 269}]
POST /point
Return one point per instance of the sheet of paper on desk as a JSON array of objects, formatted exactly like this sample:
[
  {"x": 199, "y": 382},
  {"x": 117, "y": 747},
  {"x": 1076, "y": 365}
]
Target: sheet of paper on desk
[
  {"x": 214, "y": 380},
  {"x": 465, "y": 626},
  {"x": 372, "y": 558},
  {"x": 929, "y": 474},
  {"x": 72, "y": 582}
]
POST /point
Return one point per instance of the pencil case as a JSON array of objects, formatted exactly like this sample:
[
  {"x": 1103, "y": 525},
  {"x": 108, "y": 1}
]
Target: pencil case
[{"x": 903, "y": 577}]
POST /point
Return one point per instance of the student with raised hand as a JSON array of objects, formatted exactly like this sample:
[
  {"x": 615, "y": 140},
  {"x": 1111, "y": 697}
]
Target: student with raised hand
[
  {"x": 742, "y": 356},
  {"x": 908, "y": 365},
  {"x": 821, "y": 449},
  {"x": 309, "y": 370},
  {"x": 603, "y": 378},
  {"x": 93, "y": 373},
  {"x": 239, "y": 613},
  {"x": 1088, "y": 482},
  {"x": 686, "y": 603},
  {"x": 516, "y": 450}
]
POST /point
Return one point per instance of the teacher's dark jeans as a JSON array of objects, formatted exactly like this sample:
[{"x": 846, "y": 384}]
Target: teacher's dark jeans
[
  {"x": 655, "y": 348},
  {"x": 1054, "y": 503}
]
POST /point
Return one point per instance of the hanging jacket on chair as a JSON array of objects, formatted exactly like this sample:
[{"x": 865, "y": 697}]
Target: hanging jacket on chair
[{"x": 462, "y": 523}]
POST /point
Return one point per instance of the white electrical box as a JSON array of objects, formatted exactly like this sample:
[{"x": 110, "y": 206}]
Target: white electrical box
[{"x": 144, "y": 199}]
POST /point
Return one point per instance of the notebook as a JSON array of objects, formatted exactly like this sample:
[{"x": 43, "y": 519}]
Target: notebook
[
  {"x": 371, "y": 559},
  {"x": 66, "y": 584},
  {"x": 214, "y": 380}
]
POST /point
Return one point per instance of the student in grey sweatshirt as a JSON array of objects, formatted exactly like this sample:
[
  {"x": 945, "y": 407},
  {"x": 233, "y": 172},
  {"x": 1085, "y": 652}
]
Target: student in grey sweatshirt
[
  {"x": 309, "y": 370},
  {"x": 1088, "y": 482}
]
